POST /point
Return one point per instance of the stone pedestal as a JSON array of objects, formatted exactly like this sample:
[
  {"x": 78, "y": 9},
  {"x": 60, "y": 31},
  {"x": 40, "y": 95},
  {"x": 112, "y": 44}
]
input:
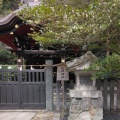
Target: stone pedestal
[{"x": 86, "y": 103}]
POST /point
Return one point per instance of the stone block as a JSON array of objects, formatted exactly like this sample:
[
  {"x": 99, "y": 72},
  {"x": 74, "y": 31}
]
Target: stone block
[
  {"x": 85, "y": 116},
  {"x": 75, "y": 109},
  {"x": 98, "y": 115},
  {"x": 92, "y": 111},
  {"x": 86, "y": 104},
  {"x": 86, "y": 93},
  {"x": 75, "y": 94},
  {"x": 96, "y": 94},
  {"x": 85, "y": 87},
  {"x": 76, "y": 101},
  {"x": 101, "y": 102},
  {"x": 95, "y": 102},
  {"x": 73, "y": 116}
]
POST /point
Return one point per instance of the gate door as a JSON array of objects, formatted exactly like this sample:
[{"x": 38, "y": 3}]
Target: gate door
[
  {"x": 33, "y": 89},
  {"x": 22, "y": 89},
  {"x": 9, "y": 89}
]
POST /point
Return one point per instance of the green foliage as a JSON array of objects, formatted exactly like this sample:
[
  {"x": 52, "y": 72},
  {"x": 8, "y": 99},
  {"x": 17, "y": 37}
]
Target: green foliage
[
  {"x": 64, "y": 22},
  {"x": 95, "y": 24},
  {"x": 1, "y": 4},
  {"x": 6, "y": 57},
  {"x": 6, "y": 6},
  {"x": 108, "y": 67}
]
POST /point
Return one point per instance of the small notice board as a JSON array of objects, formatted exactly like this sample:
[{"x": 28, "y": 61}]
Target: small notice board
[{"x": 62, "y": 73}]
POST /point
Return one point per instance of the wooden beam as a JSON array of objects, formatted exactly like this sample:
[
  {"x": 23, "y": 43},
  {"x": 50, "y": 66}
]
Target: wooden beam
[
  {"x": 41, "y": 52},
  {"x": 8, "y": 42}
]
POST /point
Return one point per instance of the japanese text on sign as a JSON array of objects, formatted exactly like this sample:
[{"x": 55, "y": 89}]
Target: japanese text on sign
[{"x": 62, "y": 73}]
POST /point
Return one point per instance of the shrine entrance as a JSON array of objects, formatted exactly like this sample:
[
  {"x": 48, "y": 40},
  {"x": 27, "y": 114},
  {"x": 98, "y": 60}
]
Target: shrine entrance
[{"x": 23, "y": 89}]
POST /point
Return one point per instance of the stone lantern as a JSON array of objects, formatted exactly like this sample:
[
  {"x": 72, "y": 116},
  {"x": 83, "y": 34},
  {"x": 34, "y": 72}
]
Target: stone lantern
[{"x": 86, "y": 100}]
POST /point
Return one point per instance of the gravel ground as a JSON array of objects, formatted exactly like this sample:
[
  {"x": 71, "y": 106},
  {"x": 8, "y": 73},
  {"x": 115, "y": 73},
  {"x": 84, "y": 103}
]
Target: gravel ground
[
  {"x": 44, "y": 115},
  {"x": 108, "y": 115},
  {"x": 47, "y": 115},
  {"x": 111, "y": 115}
]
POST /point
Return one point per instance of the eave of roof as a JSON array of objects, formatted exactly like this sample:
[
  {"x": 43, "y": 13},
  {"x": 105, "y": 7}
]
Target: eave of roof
[{"x": 7, "y": 25}]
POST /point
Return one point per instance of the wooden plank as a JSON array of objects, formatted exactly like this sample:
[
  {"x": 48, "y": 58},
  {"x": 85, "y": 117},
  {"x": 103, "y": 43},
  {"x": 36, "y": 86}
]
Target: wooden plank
[
  {"x": 118, "y": 95},
  {"x": 20, "y": 89},
  {"x": 33, "y": 76},
  {"x": 9, "y": 93},
  {"x": 6, "y": 76},
  {"x": 42, "y": 95},
  {"x": 0, "y": 93},
  {"x": 105, "y": 95},
  {"x": 25, "y": 76},
  {"x": 37, "y": 77},
  {"x": 36, "y": 93},
  {"x": 2, "y": 76},
  {"x": 10, "y": 76},
  {"x": 15, "y": 94},
  {"x": 41, "y": 77},
  {"x": 30, "y": 93},
  {"x": 29, "y": 78},
  {"x": 3, "y": 94},
  {"x": 65, "y": 98},
  {"x": 57, "y": 95},
  {"x": 14, "y": 74},
  {"x": 24, "y": 93},
  {"x": 112, "y": 94}
]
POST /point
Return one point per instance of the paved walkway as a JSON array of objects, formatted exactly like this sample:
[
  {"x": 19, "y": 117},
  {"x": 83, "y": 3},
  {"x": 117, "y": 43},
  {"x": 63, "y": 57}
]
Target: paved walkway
[{"x": 17, "y": 115}]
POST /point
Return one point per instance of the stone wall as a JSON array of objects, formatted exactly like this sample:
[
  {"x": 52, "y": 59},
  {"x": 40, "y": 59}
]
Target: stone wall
[{"x": 86, "y": 104}]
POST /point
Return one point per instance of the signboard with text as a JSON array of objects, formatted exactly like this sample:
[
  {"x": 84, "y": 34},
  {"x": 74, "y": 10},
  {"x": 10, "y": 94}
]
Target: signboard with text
[{"x": 62, "y": 73}]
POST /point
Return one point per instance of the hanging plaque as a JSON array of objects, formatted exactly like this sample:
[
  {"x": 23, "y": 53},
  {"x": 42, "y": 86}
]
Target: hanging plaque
[{"x": 62, "y": 73}]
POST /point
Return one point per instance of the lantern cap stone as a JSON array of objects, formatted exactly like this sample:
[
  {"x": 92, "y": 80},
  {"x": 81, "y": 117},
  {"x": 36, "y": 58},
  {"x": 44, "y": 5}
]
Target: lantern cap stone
[{"x": 81, "y": 63}]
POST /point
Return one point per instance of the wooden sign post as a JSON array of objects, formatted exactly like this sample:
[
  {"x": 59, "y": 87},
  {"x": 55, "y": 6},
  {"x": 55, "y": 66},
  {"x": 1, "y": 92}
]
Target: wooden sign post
[{"x": 62, "y": 75}]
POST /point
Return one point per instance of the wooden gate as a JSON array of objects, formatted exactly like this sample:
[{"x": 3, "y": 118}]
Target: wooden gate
[{"x": 22, "y": 89}]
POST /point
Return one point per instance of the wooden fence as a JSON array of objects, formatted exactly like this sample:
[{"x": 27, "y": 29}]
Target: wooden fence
[
  {"x": 110, "y": 90},
  {"x": 111, "y": 93}
]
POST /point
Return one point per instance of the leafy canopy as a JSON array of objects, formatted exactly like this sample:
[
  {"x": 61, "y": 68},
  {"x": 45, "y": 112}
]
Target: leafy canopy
[
  {"x": 95, "y": 24},
  {"x": 77, "y": 22}
]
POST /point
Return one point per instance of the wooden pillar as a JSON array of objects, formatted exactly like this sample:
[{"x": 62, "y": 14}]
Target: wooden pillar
[
  {"x": 105, "y": 94},
  {"x": 19, "y": 62},
  {"x": 112, "y": 94},
  {"x": 118, "y": 95},
  {"x": 65, "y": 95},
  {"x": 58, "y": 95},
  {"x": 98, "y": 84}
]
